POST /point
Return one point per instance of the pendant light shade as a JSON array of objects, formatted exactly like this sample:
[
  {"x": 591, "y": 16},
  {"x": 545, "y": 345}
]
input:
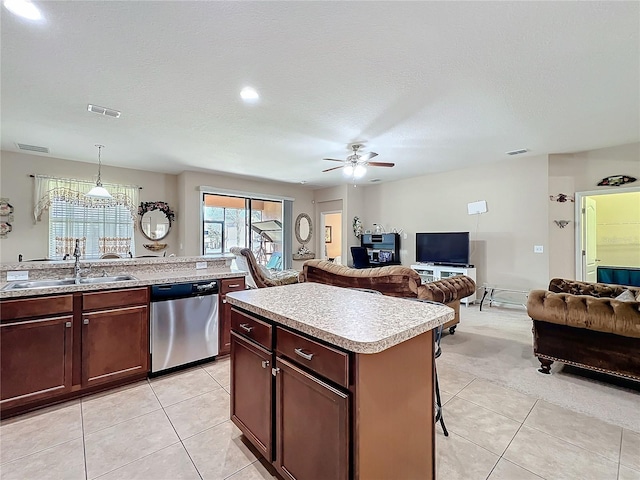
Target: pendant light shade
[{"x": 99, "y": 191}]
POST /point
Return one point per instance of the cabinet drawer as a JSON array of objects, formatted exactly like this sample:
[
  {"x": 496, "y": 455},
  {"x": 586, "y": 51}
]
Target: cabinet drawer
[
  {"x": 115, "y": 298},
  {"x": 36, "y": 307},
  {"x": 250, "y": 327},
  {"x": 231, "y": 285},
  {"x": 326, "y": 361}
]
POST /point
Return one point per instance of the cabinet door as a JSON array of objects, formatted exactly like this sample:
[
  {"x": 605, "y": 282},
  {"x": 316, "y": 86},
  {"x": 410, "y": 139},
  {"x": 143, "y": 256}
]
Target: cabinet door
[
  {"x": 312, "y": 426},
  {"x": 251, "y": 393},
  {"x": 35, "y": 359},
  {"x": 115, "y": 344},
  {"x": 225, "y": 327}
]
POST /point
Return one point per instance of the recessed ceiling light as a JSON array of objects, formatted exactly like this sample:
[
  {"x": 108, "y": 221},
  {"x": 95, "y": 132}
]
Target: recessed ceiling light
[
  {"x": 23, "y": 8},
  {"x": 249, "y": 94}
]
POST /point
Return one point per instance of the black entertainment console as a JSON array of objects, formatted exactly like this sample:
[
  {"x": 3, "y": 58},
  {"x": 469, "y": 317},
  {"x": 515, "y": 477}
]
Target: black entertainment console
[{"x": 383, "y": 248}]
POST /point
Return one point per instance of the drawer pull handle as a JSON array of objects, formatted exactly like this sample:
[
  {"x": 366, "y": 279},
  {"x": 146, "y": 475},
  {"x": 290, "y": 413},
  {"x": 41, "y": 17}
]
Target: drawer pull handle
[
  {"x": 224, "y": 301},
  {"x": 68, "y": 324},
  {"x": 246, "y": 327},
  {"x": 85, "y": 321},
  {"x": 265, "y": 363},
  {"x": 235, "y": 285},
  {"x": 306, "y": 356}
]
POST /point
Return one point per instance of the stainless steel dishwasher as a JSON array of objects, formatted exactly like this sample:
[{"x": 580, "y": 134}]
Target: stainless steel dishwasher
[{"x": 184, "y": 323}]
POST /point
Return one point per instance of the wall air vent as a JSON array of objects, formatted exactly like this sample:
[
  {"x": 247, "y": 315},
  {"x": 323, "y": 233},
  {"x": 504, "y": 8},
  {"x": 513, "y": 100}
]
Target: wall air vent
[
  {"x": 109, "y": 112},
  {"x": 517, "y": 152},
  {"x": 32, "y": 148}
]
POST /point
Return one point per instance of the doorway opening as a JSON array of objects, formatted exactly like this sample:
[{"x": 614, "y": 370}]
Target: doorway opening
[
  {"x": 608, "y": 231},
  {"x": 331, "y": 234}
]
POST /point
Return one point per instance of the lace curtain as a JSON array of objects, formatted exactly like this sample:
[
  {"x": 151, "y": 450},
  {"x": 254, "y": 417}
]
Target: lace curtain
[{"x": 48, "y": 189}]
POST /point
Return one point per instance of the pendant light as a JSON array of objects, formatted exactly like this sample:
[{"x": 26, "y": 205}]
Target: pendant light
[{"x": 99, "y": 191}]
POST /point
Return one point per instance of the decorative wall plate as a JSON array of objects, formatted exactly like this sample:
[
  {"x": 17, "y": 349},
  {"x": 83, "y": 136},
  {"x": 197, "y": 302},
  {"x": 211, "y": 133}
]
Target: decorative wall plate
[
  {"x": 5, "y": 207},
  {"x": 5, "y": 227},
  {"x": 616, "y": 180}
]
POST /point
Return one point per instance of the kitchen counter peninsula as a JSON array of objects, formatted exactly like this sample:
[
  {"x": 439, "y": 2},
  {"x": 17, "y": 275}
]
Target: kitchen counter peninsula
[
  {"x": 147, "y": 271},
  {"x": 328, "y": 382}
]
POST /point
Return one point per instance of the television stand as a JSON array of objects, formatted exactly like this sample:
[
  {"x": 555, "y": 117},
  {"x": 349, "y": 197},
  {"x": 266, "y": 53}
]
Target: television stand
[{"x": 432, "y": 273}]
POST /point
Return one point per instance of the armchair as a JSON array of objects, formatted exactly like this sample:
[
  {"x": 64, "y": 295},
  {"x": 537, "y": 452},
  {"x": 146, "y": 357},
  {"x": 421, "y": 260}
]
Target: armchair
[{"x": 259, "y": 276}]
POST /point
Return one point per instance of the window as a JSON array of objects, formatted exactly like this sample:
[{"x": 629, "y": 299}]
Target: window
[
  {"x": 233, "y": 221},
  {"x": 101, "y": 225},
  {"x": 107, "y": 229}
]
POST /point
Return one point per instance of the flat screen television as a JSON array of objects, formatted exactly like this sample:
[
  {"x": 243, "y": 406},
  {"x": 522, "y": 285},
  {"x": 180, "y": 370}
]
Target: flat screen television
[{"x": 446, "y": 248}]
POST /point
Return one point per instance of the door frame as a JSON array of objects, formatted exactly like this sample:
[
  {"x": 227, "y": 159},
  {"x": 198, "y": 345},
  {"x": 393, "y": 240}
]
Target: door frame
[
  {"x": 321, "y": 234},
  {"x": 580, "y": 224}
]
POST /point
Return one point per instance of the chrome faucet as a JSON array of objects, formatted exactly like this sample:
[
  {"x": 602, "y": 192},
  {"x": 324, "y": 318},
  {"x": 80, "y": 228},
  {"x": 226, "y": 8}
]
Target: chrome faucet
[{"x": 76, "y": 266}]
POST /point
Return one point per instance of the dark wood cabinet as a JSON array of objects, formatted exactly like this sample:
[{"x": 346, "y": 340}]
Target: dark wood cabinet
[
  {"x": 336, "y": 414},
  {"x": 227, "y": 285},
  {"x": 56, "y": 347},
  {"x": 312, "y": 426},
  {"x": 35, "y": 359},
  {"x": 252, "y": 393},
  {"x": 115, "y": 344}
]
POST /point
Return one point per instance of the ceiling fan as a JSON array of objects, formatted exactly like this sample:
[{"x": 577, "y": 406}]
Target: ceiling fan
[{"x": 356, "y": 164}]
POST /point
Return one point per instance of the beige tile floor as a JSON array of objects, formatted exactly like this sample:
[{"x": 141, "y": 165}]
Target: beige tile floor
[{"x": 176, "y": 427}]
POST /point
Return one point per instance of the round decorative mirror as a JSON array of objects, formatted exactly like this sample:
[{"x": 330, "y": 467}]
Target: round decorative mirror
[
  {"x": 155, "y": 219},
  {"x": 304, "y": 228}
]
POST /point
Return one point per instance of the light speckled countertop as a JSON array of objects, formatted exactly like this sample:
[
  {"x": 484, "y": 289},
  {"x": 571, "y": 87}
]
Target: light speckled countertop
[
  {"x": 357, "y": 321},
  {"x": 142, "y": 280}
]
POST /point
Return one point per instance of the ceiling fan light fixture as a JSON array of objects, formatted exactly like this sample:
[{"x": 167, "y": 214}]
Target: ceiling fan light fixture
[
  {"x": 99, "y": 191},
  {"x": 359, "y": 171},
  {"x": 347, "y": 171}
]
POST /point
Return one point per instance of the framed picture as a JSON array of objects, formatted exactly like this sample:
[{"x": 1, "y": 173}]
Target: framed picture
[{"x": 327, "y": 234}]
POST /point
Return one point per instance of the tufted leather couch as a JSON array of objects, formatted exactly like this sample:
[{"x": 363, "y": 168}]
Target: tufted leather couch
[
  {"x": 396, "y": 281},
  {"x": 582, "y": 324}
]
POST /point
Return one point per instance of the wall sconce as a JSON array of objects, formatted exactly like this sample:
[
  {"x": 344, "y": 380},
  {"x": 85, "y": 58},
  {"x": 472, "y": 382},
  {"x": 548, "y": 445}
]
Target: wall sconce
[{"x": 562, "y": 223}]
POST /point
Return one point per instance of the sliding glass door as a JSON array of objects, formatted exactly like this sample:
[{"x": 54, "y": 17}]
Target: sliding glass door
[{"x": 231, "y": 221}]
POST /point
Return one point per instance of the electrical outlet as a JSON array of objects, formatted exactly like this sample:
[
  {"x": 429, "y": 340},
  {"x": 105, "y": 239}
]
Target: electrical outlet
[
  {"x": 538, "y": 249},
  {"x": 14, "y": 275},
  {"x": 404, "y": 236}
]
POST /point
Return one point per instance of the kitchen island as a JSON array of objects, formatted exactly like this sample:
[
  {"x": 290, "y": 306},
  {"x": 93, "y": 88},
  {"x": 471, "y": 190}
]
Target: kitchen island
[{"x": 328, "y": 382}]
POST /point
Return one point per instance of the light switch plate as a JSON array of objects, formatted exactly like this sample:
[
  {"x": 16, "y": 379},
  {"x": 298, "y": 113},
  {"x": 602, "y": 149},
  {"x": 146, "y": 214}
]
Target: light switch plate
[
  {"x": 538, "y": 249},
  {"x": 17, "y": 275},
  {"x": 201, "y": 265}
]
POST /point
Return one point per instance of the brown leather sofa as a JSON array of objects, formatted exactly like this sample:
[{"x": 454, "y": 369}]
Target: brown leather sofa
[
  {"x": 396, "y": 281},
  {"x": 582, "y": 324}
]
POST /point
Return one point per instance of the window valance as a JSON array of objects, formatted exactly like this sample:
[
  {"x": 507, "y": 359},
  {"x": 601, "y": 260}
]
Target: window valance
[{"x": 47, "y": 189}]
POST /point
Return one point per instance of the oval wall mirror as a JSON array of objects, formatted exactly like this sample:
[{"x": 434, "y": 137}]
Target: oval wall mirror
[
  {"x": 155, "y": 219},
  {"x": 304, "y": 228}
]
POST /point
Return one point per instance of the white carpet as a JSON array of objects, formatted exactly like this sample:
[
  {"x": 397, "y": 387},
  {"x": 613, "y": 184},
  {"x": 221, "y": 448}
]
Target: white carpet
[{"x": 496, "y": 344}]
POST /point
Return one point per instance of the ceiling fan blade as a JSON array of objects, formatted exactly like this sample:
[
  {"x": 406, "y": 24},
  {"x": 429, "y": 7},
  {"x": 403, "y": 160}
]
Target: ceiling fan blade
[
  {"x": 381, "y": 164},
  {"x": 333, "y": 160},
  {"x": 368, "y": 156},
  {"x": 372, "y": 154},
  {"x": 329, "y": 169}
]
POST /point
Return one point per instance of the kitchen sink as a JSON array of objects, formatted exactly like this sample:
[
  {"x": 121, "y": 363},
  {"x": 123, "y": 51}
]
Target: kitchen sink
[
  {"x": 30, "y": 284},
  {"x": 117, "y": 278}
]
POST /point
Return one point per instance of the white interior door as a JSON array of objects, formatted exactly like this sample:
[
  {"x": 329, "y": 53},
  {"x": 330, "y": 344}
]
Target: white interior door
[{"x": 589, "y": 252}]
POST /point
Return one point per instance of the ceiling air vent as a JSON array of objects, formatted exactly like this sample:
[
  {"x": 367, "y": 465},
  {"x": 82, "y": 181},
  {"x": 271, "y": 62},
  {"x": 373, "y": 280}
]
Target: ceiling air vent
[
  {"x": 109, "y": 112},
  {"x": 32, "y": 148},
  {"x": 517, "y": 152},
  {"x": 374, "y": 180}
]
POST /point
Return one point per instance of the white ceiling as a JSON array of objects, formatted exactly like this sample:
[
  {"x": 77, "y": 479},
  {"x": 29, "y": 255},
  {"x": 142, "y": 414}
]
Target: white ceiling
[{"x": 430, "y": 86}]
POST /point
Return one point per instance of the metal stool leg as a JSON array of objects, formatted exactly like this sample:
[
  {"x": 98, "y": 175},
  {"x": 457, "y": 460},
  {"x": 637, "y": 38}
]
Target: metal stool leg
[{"x": 439, "y": 415}]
